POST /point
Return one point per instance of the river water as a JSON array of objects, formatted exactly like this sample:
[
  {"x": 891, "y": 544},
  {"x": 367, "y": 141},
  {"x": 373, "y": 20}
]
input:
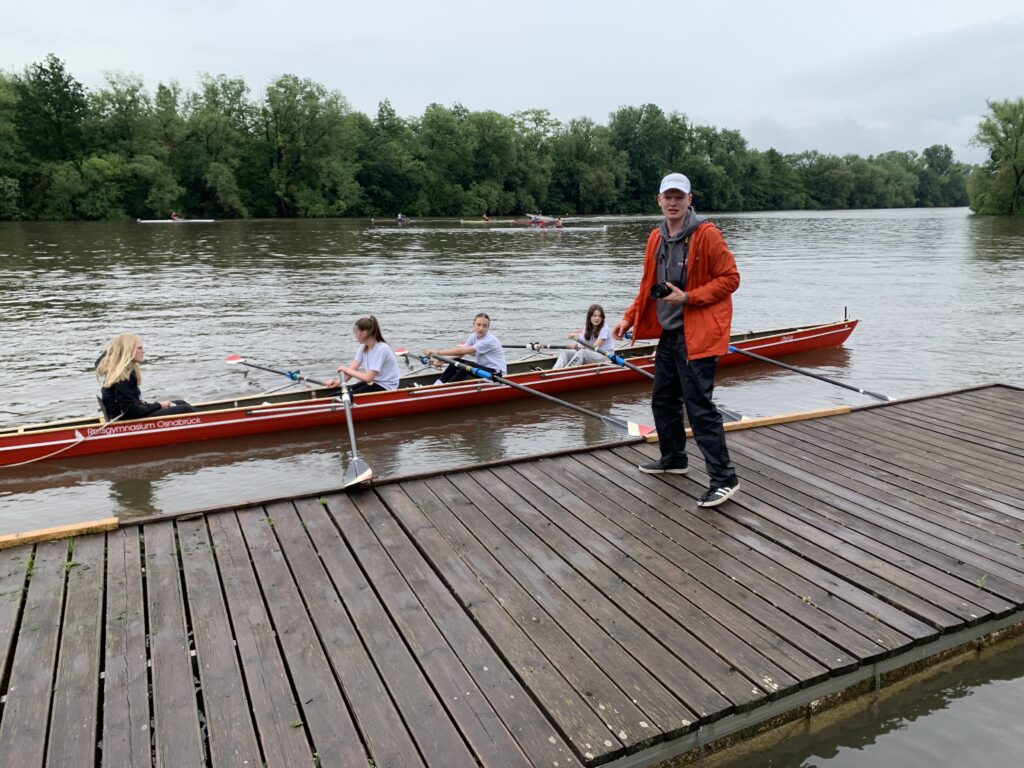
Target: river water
[{"x": 940, "y": 296}]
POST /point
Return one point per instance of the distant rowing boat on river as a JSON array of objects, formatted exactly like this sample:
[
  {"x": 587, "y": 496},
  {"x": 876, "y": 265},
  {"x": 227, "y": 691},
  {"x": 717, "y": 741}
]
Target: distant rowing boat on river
[{"x": 175, "y": 221}]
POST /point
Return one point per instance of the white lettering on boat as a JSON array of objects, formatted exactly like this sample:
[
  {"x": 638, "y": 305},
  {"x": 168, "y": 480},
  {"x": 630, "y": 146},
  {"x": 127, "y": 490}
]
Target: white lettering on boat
[{"x": 119, "y": 429}]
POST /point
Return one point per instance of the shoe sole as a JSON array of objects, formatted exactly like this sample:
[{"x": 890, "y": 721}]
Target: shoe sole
[
  {"x": 720, "y": 499},
  {"x": 674, "y": 471}
]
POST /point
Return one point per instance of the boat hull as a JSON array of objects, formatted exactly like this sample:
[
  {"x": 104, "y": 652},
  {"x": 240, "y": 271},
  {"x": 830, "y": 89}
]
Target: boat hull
[{"x": 306, "y": 409}]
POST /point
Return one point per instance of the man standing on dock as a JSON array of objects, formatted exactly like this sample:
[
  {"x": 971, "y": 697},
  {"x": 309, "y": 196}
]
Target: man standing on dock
[{"x": 693, "y": 324}]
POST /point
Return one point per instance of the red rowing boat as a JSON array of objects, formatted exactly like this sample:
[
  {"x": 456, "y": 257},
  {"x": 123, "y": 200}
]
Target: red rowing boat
[{"x": 301, "y": 409}]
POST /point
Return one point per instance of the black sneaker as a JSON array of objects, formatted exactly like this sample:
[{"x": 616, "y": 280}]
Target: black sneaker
[
  {"x": 664, "y": 466},
  {"x": 715, "y": 495}
]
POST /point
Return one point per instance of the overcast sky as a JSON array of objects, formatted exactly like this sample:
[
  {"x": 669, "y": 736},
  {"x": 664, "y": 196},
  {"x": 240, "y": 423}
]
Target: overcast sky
[{"x": 841, "y": 77}]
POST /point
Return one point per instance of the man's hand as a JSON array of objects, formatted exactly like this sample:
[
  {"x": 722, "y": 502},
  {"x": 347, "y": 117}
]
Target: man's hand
[{"x": 619, "y": 331}]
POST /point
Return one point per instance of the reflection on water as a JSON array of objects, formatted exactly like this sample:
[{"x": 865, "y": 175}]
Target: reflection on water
[
  {"x": 966, "y": 716},
  {"x": 940, "y": 296}
]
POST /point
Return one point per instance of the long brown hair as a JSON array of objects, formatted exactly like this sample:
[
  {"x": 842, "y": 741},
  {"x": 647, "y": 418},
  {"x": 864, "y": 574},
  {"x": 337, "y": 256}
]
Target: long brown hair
[
  {"x": 591, "y": 330},
  {"x": 371, "y": 326},
  {"x": 118, "y": 361}
]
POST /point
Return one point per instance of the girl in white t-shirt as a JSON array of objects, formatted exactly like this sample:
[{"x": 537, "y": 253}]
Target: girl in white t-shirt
[
  {"x": 482, "y": 344},
  {"x": 597, "y": 334},
  {"x": 378, "y": 363}
]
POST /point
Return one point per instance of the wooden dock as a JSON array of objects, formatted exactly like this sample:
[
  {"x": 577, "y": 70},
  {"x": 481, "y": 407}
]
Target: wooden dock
[{"x": 560, "y": 611}]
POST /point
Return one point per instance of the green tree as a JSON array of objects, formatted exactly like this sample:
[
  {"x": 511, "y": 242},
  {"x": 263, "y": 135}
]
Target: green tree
[
  {"x": 10, "y": 151},
  {"x": 51, "y": 108},
  {"x": 998, "y": 186},
  {"x": 529, "y": 181},
  {"x": 446, "y": 149},
  {"x": 391, "y": 174},
  {"x": 59, "y": 187},
  {"x": 121, "y": 116},
  {"x": 103, "y": 180},
  {"x": 589, "y": 175},
  {"x": 645, "y": 135}
]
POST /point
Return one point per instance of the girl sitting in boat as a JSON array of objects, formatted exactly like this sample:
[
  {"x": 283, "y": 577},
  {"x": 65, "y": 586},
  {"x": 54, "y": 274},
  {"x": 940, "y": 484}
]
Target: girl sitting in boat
[
  {"x": 597, "y": 334},
  {"x": 482, "y": 344},
  {"x": 118, "y": 370},
  {"x": 379, "y": 365}
]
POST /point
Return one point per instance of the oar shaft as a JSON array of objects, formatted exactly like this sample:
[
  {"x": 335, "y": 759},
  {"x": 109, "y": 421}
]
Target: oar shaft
[
  {"x": 813, "y": 375},
  {"x": 346, "y": 400},
  {"x": 293, "y": 375},
  {"x": 617, "y": 359},
  {"x": 480, "y": 373},
  {"x": 536, "y": 346}
]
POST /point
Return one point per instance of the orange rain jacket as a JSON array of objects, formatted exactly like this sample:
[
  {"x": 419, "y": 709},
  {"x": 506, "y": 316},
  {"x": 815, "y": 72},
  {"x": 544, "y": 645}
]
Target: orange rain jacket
[{"x": 711, "y": 278}]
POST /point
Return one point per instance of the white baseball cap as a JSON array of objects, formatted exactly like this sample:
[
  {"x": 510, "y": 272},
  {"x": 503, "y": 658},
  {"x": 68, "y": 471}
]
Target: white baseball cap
[{"x": 675, "y": 181}]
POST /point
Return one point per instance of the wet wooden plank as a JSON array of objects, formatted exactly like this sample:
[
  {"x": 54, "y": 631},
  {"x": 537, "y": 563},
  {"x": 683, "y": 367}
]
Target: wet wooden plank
[
  {"x": 126, "y": 715},
  {"x": 807, "y": 498},
  {"x": 722, "y": 659},
  {"x": 854, "y": 607},
  {"x": 14, "y": 565},
  {"x": 921, "y": 498},
  {"x": 635, "y": 623},
  {"x": 971, "y": 417},
  {"x": 781, "y": 664},
  {"x": 970, "y": 437},
  {"x": 73, "y": 732},
  {"x": 175, "y": 711},
  {"x": 984, "y": 473},
  {"x": 905, "y": 429},
  {"x": 885, "y": 525},
  {"x": 229, "y": 727},
  {"x": 655, "y": 677},
  {"x": 496, "y": 714},
  {"x": 662, "y": 712},
  {"x": 563, "y": 704},
  {"x": 917, "y": 476},
  {"x": 324, "y": 710},
  {"x": 377, "y": 717},
  {"x": 759, "y": 510},
  {"x": 590, "y": 681},
  {"x": 23, "y": 729},
  {"x": 922, "y": 519},
  {"x": 277, "y": 716},
  {"x": 978, "y": 439},
  {"x": 730, "y": 573},
  {"x": 421, "y": 708},
  {"x": 1003, "y": 402}
]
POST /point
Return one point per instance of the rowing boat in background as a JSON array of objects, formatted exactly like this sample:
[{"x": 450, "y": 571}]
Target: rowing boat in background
[
  {"x": 175, "y": 221},
  {"x": 302, "y": 409}
]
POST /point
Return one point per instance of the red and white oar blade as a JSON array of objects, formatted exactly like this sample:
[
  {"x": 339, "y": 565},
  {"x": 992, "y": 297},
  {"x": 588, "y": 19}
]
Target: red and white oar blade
[
  {"x": 639, "y": 430},
  {"x": 630, "y": 428},
  {"x": 401, "y": 351},
  {"x": 234, "y": 359}
]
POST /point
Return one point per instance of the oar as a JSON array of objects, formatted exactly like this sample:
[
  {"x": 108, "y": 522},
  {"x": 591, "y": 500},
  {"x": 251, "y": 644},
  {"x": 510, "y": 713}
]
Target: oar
[
  {"x": 536, "y": 346},
  {"x": 617, "y": 359},
  {"x": 293, "y": 375},
  {"x": 629, "y": 427},
  {"x": 884, "y": 398},
  {"x": 730, "y": 415},
  {"x": 358, "y": 470}
]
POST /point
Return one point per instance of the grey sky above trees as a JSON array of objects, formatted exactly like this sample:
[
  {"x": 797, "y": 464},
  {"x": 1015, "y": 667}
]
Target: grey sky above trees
[{"x": 844, "y": 77}]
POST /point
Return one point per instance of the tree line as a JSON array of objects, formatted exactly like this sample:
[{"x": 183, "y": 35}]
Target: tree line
[{"x": 300, "y": 150}]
